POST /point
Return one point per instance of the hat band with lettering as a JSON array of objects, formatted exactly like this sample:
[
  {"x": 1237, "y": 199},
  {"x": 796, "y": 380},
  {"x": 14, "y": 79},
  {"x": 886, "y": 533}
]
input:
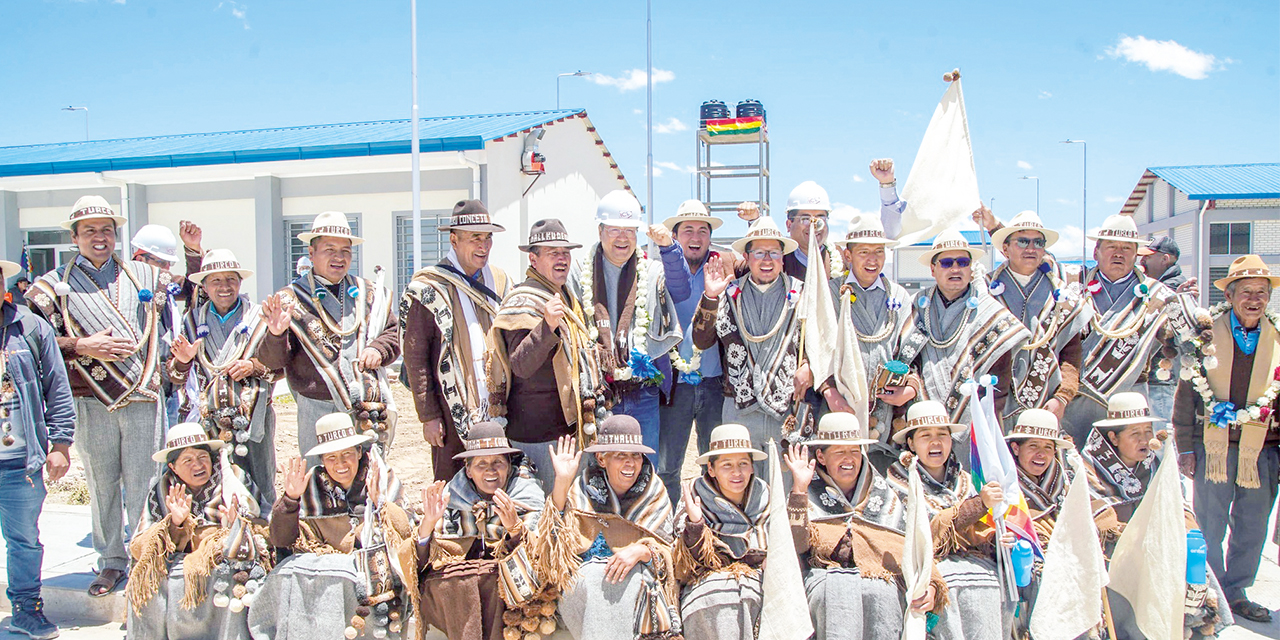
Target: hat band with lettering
[
  {"x": 92, "y": 211},
  {"x": 1128, "y": 413},
  {"x": 1036, "y": 432},
  {"x": 620, "y": 438},
  {"x": 228, "y": 265},
  {"x": 487, "y": 443},
  {"x": 1118, "y": 233},
  {"x": 186, "y": 441},
  {"x": 336, "y": 434},
  {"x": 947, "y": 245},
  {"x": 729, "y": 443},
  {"x": 333, "y": 229}
]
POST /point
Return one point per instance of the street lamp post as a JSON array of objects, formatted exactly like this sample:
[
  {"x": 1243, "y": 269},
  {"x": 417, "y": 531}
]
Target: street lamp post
[
  {"x": 1037, "y": 190},
  {"x": 86, "y": 119},
  {"x": 414, "y": 151},
  {"x": 1084, "y": 205},
  {"x": 576, "y": 74}
]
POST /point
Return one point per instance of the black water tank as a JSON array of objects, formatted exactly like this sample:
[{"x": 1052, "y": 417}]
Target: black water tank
[
  {"x": 750, "y": 108},
  {"x": 712, "y": 110}
]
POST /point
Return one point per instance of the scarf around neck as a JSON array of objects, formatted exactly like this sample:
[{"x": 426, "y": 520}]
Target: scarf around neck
[
  {"x": 1116, "y": 482},
  {"x": 645, "y": 504},
  {"x": 741, "y": 529},
  {"x": 873, "y": 501},
  {"x": 956, "y": 485},
  {"x": 1047, "y": 493},
  {"x": 471, "y": 514},
  {"x": 205, "y": 501},
  {"x": 325, "y": 498}
]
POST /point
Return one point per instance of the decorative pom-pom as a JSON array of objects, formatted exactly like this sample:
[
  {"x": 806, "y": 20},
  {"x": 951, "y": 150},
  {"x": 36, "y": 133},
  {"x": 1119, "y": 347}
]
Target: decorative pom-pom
[
  {"x": 1044, "y": 267},
  {"x": 905, "y": 458},
  {"x": 61, "y": 289},
  {"x": 221, "y": 601},
  {"x": 242, "y": 450},
  {"x": 240, "y": 577},
  {"x": 923, "y": 302},
  {"x": 173, "y": 288},
  {"x": 202, "y": 331},
  {"x": 972, "y": 302},
  {"x": 353, "y": 291},
  {"x": 363, "y": 611},
  {"x": 547, "y": 627},
  {"x": 236, "y": 605},
  {"x": 350, "y": 633},
  {"x": 145, "y": 295}
]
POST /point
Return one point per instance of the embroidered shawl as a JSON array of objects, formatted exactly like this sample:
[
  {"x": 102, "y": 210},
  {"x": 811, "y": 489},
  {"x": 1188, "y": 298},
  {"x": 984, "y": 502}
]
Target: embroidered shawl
[
  {"x": 325, "y": 498},
  {"x": 615, "y": 347},
  {"x": 471, "y": 514},
  {"x": 645, "y": 505},
  {"x": 205, "y": 501},
  {"x": 1112, "y": 480},
  {"x": 88, "y": 309},
  {"x": 761, "y": 378},
  {"x": 440, "y": 291},
  {"x": 874, "y": 500},
  {"x": 989, "y": 334},
  {"x": 737, "y": 530},
  {"x": 1253, "y": 433},
  {"x": 1045, "y": 494},
  {"x": 206, "y": 386}
]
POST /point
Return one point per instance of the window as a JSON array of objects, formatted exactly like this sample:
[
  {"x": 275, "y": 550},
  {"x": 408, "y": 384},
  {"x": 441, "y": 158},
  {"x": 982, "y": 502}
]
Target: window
[
  {"x": 1215, "y": 295},
  {"x": 1230, "y": 238},
  {"x": 297, "y": 248},
  {"x": 435, "y": 243},
  {"x": 48, "y": 248}
]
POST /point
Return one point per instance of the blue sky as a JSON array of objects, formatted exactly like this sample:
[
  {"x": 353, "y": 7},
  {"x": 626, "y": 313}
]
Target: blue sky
[{"x": 1145, "y": 83}]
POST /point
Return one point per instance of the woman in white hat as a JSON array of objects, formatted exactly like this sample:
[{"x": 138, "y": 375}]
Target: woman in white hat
[
  {"x": 196, "y": 540},
  {"x": 721, "y": 539},
  {"x": 854, "y": 527},
  {"x": 342, "y": 524},
  {"x": 613, "y": 521},
  {"x": 1121, "y": 458},
  {"x": 221, "y": 384},
  {"x": 964, "y": 546},
  {"x": 486, "y": 513}
]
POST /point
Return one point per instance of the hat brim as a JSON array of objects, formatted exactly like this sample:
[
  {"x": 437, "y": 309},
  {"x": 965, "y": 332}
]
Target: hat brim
[
  {"x": 1146, "y": 251},
  {"x": 1221, "y": 283},
  {"x": 670, "y": 223},
  {"x": 1014, "y": 437},
  {"x": 488, "y": 226},
  {"x": 926, "y": 258},
  {"x": 495, "y": 451},
  {"x": 901, "y": 436},
  {"x": 1096, "y": 238},
  {"x": 861, "y": 442},
  {"x": 198, "y": 277},
  {"x": 1124, "y": 422},
  {"x": 618, "y": 448},
  {"x": 9, "y": 269},
  {"x": 160, "y": 455},
  {"x": 789, "y": 244},
  {"x": 845, "y": 242},
  {"x": 756, "y": 454},
  {"x": 338, "y": 445},
  {"x": 119, "y": 220},
  {"x": 564, "y": 244},
  {"x": 998, "y": 238},
  {"x": 307, "y": 237}
]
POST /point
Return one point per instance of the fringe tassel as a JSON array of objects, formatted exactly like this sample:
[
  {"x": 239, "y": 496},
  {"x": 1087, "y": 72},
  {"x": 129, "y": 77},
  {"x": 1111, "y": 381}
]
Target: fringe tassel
[
  {"x": 946, "y": 539},
  {"x": 1252, "y": 436},
  {"x": 689, "y": 568},
  {"x": 554, "y": 551},
  {"x": 152, "y": 548},
  {"x": 1216, "y": 443},
  {"x": 198, "y": 566},
  {"x": 407, "y": 555}
]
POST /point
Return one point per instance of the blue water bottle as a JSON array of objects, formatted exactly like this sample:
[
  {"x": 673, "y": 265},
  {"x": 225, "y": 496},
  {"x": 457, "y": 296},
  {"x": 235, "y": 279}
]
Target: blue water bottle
[
  {"x": 1023, "y": 560},
  {"x": 1196, "y": 550}
]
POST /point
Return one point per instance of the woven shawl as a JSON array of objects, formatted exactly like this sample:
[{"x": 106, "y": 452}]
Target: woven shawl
[
  {"x": 871, "y": 317},
  {"x": 1110, "y": 365},
  {"x": 763, "y": 381},
  {"x": 646, "y": 504},
  {"x": 1253, "y": 433},
  {"x": 737, "y": 530},
  {"x": 325, "y": 498},
  {"x": 471, "y": 514},
  {"x": 956, "y": 485},
  {"x": 1046, "y": 493},
  {"x": 874, "y": 500},
  {"x": 252, "y": 392},
  {"x": 204, "y": 502},
  {"x": 664, "y": 332},
  {"x": 87, "y": 309},
  {"x": 439, "y": 291},
  {"x": 1112, "y": 480}
]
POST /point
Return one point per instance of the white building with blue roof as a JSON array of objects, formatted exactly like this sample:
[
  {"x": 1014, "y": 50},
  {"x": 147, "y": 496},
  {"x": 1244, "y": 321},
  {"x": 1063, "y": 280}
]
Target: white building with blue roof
[
  {"x": 254, "y": 191},
  {"x": 1216, "y": 213}
]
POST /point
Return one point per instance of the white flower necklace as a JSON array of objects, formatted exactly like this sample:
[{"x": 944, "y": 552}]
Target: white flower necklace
[
  {"x": 1197, "y": 372},
  {"x": 639, "y": 324}
]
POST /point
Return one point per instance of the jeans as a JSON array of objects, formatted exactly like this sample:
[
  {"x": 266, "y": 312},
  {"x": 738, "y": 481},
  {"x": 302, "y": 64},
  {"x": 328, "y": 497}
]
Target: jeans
[
  {"x": 1222, "y": 504},
  {"x": 699, "y": 404},
  {"x": 21, "y": 498},
  {"x": 1160, "y": 397},
  {"x": 642, "y": 404}
]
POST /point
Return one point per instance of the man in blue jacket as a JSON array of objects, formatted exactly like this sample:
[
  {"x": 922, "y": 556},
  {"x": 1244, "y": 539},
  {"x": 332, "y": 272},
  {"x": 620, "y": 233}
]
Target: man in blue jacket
[{"x": 37, "y": 421}]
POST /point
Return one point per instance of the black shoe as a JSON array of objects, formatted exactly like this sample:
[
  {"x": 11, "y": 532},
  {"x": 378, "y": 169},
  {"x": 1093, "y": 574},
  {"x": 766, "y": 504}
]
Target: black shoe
[{"x": 29, "y": 619}]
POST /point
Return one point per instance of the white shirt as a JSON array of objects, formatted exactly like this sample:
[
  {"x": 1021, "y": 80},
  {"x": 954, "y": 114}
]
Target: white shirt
[
  {"x": 475, "y": 332},
  {"x": 878, "y": 284}
]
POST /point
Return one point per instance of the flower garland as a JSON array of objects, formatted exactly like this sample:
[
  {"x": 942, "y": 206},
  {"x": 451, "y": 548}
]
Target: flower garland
[
  {"x": 1224, "y": 414},
  {"x": 639, "y": 325},
  {"x": 837, "y": 262}
]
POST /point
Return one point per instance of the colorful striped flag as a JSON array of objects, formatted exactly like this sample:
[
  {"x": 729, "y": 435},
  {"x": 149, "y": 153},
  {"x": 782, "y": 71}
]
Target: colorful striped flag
[
  {"x": 990, "y": 461},
  {"x": 734, "y": 126}
]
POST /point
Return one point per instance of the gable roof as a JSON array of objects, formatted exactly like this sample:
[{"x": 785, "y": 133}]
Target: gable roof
[
  {"x": 382, "y": 137},
  {"x": 1211, "y": 182}
]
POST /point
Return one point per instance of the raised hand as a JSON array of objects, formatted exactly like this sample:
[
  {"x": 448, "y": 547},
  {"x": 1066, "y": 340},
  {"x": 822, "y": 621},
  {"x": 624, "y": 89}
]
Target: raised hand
[
  {"x": 985, "y": 219},
  {"x": 178, "y": 502},
  {"x": 801, "y": 466},
  {"x": 185, "y": 350},
  {"x": 506, "y": 508},
  {"x": 715, "y": 276},
  {"x": 565, "y": 458},
  {"x": 191, "y": 235},
  {"x": 295, "y": 478},
  {"x": 434, "y": 500},
  {"x": 372, "y": 484},
  {"x": 692, "y": 503},
  {"x": 749, "y": 211},
  {"x": 277, "y": 312},
  {"x": 882, "y": 170},
  {"x": 553, "y": 312},
  {"x": 227, "y": 513},
  {"x": 660, "y": 235}
]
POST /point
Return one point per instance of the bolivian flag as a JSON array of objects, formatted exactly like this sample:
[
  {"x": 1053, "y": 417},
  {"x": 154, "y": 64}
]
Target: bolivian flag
[{"x": 734, "y": 126}]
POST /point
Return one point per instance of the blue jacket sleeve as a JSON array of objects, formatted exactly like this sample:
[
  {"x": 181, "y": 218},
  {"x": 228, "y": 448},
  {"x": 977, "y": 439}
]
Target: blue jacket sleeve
[
  {"x": 676, "y": 269},
  {"x": 59, "y": 406}
]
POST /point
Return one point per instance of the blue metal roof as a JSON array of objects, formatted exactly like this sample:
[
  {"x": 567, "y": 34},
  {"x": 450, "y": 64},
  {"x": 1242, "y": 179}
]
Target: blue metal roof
[
  {"x": 385, "y": 137},
  {"x": 1224, "y": 181}
]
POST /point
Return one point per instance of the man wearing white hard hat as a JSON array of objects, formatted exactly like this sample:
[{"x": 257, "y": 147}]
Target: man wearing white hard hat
[
  {"x": 1046, "y": 372},
  {"x": 109, "y": 315},
  {"x": 754, "y": 321},
  {"x": 808, "y": 207},
  {"x": 1224, "y": 414},
  {"x": 957, "y": 331},
  {"x": 697, "y": 395},
  {"x": 628, "y": 301},
  {"x": 37, "y": 424},
  {"x": 445, "y": 313},
  {"x": 1134, "y": 317},
  {"x": 877, "y": 309},
  {"x": 222, "y": 385},
  {"x": 334, "y": 333}
]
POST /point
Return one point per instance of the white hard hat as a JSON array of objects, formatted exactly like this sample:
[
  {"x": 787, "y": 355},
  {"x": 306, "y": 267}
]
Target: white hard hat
[
  {"x": 808, "y": 196},
  {"x": 620, "y": 209},
  {"x": 157, "y": 241}
]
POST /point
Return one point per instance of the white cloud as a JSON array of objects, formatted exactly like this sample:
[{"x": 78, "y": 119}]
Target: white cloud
[
  {"x": 858, "y": 178},
  {"x": 1064, "y": 201},
  {"x": 238, "y": 11},
  {"x": 1024, "y": 165},
  {"x": 1165, "y": 55},
  {"x": 632, "y": 79},
  {"x": 657, "y": 171},
  {"x": 1068, "y": 244},
  {"x": 1045, "y": 95},
  {"x": 672, "y": 125},
  {"x": 1114, "y": 199},
  {"x": 672, "y": 166}
]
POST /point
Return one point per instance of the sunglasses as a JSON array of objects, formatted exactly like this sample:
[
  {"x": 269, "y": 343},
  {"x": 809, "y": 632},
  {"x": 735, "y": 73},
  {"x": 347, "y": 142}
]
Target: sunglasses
[
  {"x": 947, "y": 263},
  {"x": 761, "y": 254},
  {"x": 1025, "y": 242}
]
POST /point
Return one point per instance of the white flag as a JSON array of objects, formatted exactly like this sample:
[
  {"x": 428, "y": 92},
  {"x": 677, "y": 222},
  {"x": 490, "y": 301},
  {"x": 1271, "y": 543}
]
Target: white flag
[
  {"x": 1149, "y": 566},
  {"x": 942, "y": 188},
  {"x": 830, "y": 343},
  {"x": 1075, "y": 572},
  {"x": 784, "y": 613},
  {"x": 917, "y": 555}
]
